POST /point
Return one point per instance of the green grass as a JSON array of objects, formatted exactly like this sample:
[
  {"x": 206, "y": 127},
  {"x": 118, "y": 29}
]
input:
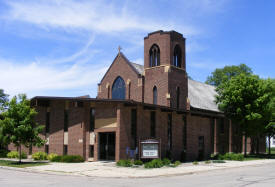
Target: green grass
[
  {"x": 20, "y": 165},
  {"x": 272, "y": 150}
]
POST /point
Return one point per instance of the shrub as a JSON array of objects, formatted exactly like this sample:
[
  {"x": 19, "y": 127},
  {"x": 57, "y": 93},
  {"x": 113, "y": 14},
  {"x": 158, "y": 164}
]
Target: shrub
[
  {"x": 72, "y": 158},
  {"x": 195, "y": 162},
  {"x": 231, "y": 156},
  {"x": 214, "y": 156},
  {"x": 138, "y": 162},
  {"x": 51, "y": 156},
  {"x": 218, "y": 161},
  {"x": 177, "y": 163},
  {"x": 56, "y": 158},
  {"x": 67, "y": 158},
  {"x": 124, "y": 163},
  {"x": 156, "y": 163},
  {"x": 13, "y": 154},
  {"x": 3, "y": 153},
  {"x": 39, "y": 156},
  {"x": 166, "y": 161},
  {"x": 23, "y": 155},
  {"x": 207, "y": 162}
]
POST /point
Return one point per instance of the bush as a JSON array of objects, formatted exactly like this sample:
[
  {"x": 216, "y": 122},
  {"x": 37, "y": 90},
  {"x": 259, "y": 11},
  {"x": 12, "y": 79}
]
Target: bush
[
  {"x": 124, "y": 163},
  {"x": 39, "y": 156},
  {"x": 56, "y": 158},
  {"x": 166, "y": 161},
  {"x": 3, "y": 153},
  {"x": 138, "y": 162},
  {"x": 156, "y": 163},
  {"x": 72, "y": 158},
  {"x": 231, "y": 156},
  {"x": 207, "y": 162},
  {"x": 218, "y": 161},
  {"x": 177, "y": 163},
  {"x": 23, "y": 155},
  {"x": 67, "y": 158},
  {"x": 195, "y": 163},
  {"x": 214, "y": 156},
  {"x": 51, "y": 156},
  {"x": 13, "y": 154}
]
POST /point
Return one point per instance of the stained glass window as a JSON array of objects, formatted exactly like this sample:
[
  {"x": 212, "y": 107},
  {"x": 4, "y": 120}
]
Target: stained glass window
[{"x": 118, "y": 89}]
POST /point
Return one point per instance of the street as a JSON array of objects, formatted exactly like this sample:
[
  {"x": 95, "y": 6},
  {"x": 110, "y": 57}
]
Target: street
[{"x": 263, "y": 175}]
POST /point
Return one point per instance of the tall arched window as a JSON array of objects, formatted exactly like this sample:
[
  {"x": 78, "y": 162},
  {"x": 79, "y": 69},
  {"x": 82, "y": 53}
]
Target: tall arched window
[
  {"x": 155, "y": 95},
  {"x": 178, "y": 97},
  {"x": 118, "y": 89},
  {"x": 154, "y": 56},
  {"x": 177, "y": 56}
]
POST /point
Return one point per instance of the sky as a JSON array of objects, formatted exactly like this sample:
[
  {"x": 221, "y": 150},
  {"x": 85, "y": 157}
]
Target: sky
[{"x": 64, "y": 47}]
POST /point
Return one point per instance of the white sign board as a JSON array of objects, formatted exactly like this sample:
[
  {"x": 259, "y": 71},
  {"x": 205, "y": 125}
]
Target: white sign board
[{"x": 150, "y": 150}]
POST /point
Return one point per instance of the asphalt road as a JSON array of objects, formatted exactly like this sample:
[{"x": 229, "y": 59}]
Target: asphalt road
[{"x": 263, "y": 175}]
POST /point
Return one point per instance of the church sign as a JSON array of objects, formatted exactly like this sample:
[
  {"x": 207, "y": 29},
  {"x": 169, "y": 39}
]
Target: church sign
[{"x": 150, "y": 148}]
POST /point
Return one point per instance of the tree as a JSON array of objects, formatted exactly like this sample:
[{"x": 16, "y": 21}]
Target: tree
[
  {"x": 269, "y": 117},
  {"x": 243, "y": 99},
  {"x": 3, "y": 99},
  {"x": 18, "y": 126},
  {"x": 224, "y": 74}
]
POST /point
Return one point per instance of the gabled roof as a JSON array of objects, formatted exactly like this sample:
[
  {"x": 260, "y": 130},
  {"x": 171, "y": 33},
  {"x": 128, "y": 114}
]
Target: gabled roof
[
  {"x": 202, "y": 95},
  {"x": 132, "y": 65}
]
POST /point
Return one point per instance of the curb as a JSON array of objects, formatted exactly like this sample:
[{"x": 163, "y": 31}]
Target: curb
[{"x": 63, "y": 173}]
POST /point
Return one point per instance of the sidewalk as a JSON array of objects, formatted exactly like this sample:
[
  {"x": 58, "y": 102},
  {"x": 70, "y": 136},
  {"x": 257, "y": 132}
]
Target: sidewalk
[{"x": 110, "y": 170}]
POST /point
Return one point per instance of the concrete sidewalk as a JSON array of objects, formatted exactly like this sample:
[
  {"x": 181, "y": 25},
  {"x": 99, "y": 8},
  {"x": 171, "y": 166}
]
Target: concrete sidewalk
[{"x": 110, "y": 170}]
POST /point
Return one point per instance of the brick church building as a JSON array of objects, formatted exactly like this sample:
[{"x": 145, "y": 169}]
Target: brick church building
[{"x": 135, "y": 102}]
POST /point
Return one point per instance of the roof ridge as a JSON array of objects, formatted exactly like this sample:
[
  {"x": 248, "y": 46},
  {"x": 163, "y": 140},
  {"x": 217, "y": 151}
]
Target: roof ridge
[{"x": 202, "y": 83}]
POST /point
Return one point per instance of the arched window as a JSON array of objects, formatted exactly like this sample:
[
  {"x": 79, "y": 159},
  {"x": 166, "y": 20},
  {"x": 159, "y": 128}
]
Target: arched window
[
  {"x": 178, "y": 97},
  {"x": 118, "y": 89},
  {"x": 177, "y": 56},
  {"x": 154, "y": 56},
  {"x": 155, "y": 95}
]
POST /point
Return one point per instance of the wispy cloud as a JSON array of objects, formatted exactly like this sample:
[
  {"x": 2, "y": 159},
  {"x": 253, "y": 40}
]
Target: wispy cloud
[
  {"x": 81, "y": 56},
  {"x": 94, "y": 15},
  {"x": 28, "y": 78}
]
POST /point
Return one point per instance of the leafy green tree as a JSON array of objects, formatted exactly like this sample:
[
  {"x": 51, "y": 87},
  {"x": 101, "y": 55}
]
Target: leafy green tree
[
  {"x": 243, "y": 99},
  {"x": 269, "y": 115},
  {"x": 3, "y": 99},
  {"x": 221, "y": 75},
  {"x": 19, "y": 126}
]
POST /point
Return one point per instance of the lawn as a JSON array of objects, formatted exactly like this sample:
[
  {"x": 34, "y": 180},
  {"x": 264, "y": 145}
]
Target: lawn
[
  {"x": 272, "y": 150},
  {"x": 16, "y": 164}
]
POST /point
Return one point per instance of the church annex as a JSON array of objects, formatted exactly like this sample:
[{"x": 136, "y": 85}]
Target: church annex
[{"x": 135, "y": 102}]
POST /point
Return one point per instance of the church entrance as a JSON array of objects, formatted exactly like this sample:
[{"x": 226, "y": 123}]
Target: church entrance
[{"x": 107, "y": 146}]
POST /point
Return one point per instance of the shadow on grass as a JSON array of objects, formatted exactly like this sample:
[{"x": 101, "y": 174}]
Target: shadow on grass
[{"x": 20, "y": 164}]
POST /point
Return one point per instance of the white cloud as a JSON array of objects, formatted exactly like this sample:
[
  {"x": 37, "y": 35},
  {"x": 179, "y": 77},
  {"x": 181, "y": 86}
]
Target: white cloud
[
  {"x": 33, "y": 77},
  {"x": 88, "y": 15}
]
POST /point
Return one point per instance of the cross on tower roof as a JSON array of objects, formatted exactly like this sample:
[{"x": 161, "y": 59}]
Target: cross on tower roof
[{"x": 119, "y": 48}]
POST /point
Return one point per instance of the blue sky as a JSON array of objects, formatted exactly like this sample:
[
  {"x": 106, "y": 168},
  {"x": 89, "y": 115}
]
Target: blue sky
[{"x": 64, "y": 47}]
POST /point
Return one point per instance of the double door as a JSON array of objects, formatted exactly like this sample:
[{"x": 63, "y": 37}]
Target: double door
[{"x": 107, "y": 148}]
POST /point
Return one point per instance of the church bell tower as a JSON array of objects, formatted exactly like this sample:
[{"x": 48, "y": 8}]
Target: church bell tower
[{"x": 165, "y": 69}]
